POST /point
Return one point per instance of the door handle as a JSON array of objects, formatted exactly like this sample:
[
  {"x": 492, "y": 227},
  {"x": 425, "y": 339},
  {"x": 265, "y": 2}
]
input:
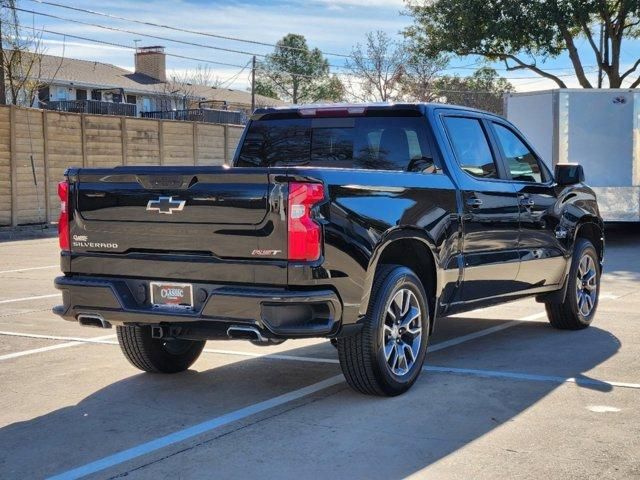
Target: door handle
[
  {"x": 527, "y": 202},
  {"x": 474, "y": 202}
]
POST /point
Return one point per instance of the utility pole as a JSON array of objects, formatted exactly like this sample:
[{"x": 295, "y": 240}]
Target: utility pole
[
  {"x": 3, "y": 92},
  {"x": 253, "y": 84}
]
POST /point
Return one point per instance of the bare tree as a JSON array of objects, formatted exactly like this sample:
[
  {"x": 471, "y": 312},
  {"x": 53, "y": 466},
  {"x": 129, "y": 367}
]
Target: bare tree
[
  {"x": 187, "y": 84},
  {"x": 377, "y": 68},
  {"x": 21, "y": 57}
]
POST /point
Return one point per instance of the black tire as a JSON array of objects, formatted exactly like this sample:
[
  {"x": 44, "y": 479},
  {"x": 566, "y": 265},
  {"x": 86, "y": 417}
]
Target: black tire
[
  {"x": 156, "y": 355},
  {"x": 362, "y": 356},
  {"x": 571, "y": 315}
]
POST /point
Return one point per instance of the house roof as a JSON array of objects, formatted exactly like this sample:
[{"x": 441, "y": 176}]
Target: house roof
[{"x": 92, "y": 74}]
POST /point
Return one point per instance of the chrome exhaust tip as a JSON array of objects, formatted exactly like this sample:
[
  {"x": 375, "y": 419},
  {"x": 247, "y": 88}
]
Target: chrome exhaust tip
[
  {"x": 93, "y": 320},
  {"x": 242, "y": 332}
]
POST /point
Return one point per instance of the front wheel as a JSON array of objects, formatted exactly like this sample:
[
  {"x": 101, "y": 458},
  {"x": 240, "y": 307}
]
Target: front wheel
[
  {"x": 583, "y": 289},
  {"x": 386, "y": 356},
  {"x": 157, "y": 355}
]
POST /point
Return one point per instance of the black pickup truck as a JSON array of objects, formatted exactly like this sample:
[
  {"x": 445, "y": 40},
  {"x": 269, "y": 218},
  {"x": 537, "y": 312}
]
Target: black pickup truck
[{"x": 362, "y": 224}]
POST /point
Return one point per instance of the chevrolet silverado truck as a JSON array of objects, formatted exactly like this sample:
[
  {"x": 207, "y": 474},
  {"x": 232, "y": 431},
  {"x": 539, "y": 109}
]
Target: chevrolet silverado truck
[{"x": 362, "y": 224}]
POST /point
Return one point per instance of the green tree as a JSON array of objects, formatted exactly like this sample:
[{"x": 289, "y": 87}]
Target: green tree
[
  {"x": 521, "y": 33},
  {"x": 484, "y": 90},
  {"x": 295, "y": 73}
]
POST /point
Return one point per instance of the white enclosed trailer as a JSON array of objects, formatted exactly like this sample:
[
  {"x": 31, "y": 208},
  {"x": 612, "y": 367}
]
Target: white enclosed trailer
[{"x": 597, "y": 128}]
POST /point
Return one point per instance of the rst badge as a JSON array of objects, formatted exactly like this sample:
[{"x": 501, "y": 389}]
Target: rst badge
[
  {"x": 165, "y": 205},
  {"x": 265, "y": 253}
]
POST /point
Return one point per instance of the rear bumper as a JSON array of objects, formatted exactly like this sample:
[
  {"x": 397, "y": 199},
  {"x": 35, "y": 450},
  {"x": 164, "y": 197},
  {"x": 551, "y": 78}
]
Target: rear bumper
[{"x": 276, "y": 312}]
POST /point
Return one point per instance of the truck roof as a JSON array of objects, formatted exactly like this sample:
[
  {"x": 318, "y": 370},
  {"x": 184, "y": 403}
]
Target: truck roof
[{"x": 307, "y": 109}]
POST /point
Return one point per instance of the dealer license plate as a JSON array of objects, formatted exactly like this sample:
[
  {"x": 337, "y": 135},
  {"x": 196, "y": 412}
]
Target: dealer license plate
[{"x": 167, "y": 294}]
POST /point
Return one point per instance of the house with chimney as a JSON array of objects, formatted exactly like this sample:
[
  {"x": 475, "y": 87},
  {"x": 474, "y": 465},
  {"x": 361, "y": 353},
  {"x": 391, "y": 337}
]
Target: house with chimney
[{"x": 87, "y": 86}]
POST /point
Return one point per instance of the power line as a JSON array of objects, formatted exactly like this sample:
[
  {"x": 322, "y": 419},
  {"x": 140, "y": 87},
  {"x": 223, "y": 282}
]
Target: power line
[
  {"x": 157, "y": 37},
  {"x": 132, "y": 32},
  {"x": 119, "y": 45},
  {"x": 179, "y": 29},
  {"x": 213, "y": 35},
  {"x": 229, "y": 81},
  {"x": 184, "y": 57}
]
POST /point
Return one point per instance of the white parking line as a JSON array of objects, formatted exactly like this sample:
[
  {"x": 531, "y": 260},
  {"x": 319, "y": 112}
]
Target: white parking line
[
  {"x": 25, "y": 299},
  {"x": 297, "y": 358},
  {"x": 209, "y": 425},
  {"x": 56, "y": 337},
  {"x": 190, "y": 432},
  {"x": 28, "y": 269},
  {"x": 485, "y": 332},
  {"x": 274, "y": 356},
  {"x": 432, "y": 348},
  {"x": 439, "y": 369},
  {"x": 529, "y": 377},
  {"x": 58, "y": 346}
]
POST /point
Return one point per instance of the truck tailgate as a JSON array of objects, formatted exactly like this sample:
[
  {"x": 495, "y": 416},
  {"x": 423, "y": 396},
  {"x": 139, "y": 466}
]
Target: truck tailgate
[{"x": 210, "y": 219}]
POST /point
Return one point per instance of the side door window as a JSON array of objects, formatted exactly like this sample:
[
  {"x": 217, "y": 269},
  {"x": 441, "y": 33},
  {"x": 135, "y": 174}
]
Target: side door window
[
  {"x": 471, "y": 147},
  {"x": 521, "y": 162}
]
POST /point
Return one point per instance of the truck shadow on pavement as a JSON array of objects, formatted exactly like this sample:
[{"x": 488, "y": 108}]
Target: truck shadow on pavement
[{"x": 335, "y": 432}]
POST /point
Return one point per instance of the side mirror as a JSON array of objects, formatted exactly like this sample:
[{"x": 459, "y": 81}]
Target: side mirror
[{"x": 569, "y": 174}]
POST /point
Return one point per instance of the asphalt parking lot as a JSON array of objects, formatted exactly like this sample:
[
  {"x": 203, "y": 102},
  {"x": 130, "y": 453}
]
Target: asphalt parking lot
[{"x": 503, "y": 395}]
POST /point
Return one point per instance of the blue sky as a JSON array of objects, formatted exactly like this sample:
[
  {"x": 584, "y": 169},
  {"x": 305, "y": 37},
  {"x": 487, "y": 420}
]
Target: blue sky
[{"x": 331, "y": 25}]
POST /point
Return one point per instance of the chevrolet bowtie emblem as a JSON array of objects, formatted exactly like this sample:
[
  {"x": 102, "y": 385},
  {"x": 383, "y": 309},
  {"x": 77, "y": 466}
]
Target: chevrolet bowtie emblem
[{"x": 165, "y": 205}]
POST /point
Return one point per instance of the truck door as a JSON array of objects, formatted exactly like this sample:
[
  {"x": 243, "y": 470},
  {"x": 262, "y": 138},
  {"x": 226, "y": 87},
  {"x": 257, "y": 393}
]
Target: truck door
[
  {"x": 490, "y": 212},
  {"x": 541, "y": 254}
]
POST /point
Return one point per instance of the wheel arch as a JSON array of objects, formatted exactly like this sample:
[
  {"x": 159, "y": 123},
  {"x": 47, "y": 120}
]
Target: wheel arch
[
  {"x": 592, "y": 229},
  {"x": 412, "y": 249}
]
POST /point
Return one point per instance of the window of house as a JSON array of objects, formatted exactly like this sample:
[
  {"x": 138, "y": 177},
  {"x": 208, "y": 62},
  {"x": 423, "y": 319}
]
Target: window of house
[
  {"x": 471, "y": 147},
  {"x": 62, "y": 93},
  {"x": 131, "y": 99},
  {"x": 374, "y": 143},
  {"x": 96, "y": 95},
  {"x": 521, "y": 162},
  {"x": 81, "y": 94},
  {"x": 43, "y": 94}
]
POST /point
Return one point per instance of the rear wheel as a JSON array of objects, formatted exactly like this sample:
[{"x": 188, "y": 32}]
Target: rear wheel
[
  {"x": 581, "y": 300},
  {"x": 157, "y": 355},
  {"x": 386, "y": 356}
]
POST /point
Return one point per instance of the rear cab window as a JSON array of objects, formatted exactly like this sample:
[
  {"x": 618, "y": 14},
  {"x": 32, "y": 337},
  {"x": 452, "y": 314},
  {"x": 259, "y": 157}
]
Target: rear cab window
[{"x": 373, "y": 143}]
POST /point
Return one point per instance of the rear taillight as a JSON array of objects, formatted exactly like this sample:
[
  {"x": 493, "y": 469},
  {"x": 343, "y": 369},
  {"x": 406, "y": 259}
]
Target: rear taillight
[
  {"x": 63, "y": 221},
  {"x": 305, "y": 234}
]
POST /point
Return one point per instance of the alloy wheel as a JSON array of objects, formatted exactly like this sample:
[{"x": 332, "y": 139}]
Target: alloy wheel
[
  {"x": 586, "y": 285},
  {"x": 402, "y": 334}
]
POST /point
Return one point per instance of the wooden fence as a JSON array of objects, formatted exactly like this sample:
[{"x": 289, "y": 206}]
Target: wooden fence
[{"x": 36, "y": 146}]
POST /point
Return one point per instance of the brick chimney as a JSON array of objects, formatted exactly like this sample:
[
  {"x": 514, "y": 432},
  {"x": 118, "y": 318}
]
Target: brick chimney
[{"x": 151, "y": 61}]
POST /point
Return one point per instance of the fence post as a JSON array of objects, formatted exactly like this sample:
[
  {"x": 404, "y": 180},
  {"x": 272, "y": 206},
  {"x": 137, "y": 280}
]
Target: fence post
[
  {"x": 226, "y": 144},
  {"x": 195, "y": 143},
  {"x": 161, "y": 142},
  {"x": 45, "y": 160},
  {"x": 83, "y": 140},
  {"x": 123, "y": 138},
  {"x": 14, "y": 166}
]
